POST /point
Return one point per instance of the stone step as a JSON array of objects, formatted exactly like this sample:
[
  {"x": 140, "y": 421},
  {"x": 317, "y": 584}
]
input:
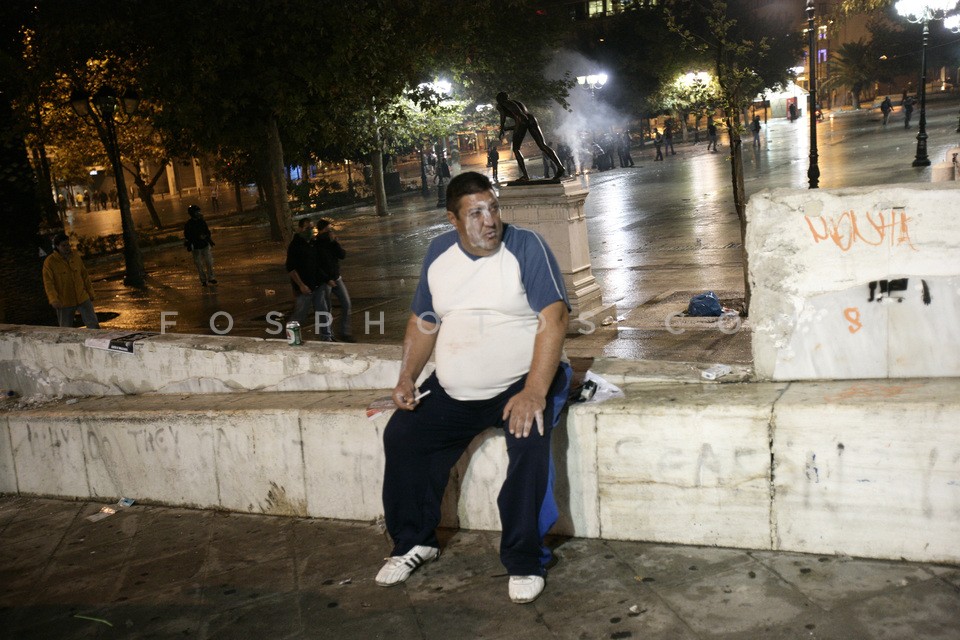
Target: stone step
[{"x": 862, "y": 468}]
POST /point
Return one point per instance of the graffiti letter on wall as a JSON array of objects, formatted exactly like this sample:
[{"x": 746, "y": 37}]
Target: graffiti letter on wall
[
  {"x": 852, "y": 314},
  {"x": 892, "y": 229}
]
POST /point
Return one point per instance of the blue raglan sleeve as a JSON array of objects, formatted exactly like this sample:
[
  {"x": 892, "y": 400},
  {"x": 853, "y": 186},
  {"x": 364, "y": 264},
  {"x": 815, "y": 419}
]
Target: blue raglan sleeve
[
  {"x": 539, "y": 271},
  {"x": 422, "y": 304}
]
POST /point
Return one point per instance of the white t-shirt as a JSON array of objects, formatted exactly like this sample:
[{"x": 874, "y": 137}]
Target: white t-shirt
[{"x": 487, "y": 309}]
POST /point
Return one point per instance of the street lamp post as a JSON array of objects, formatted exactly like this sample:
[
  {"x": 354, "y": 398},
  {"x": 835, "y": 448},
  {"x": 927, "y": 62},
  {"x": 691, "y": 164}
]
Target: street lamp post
[
  {"x": 923, "y": 11},
  {"x": 813, "y": 171},
  {"x": 100, "y": 110},
  {"x": 922, "y": 160}
]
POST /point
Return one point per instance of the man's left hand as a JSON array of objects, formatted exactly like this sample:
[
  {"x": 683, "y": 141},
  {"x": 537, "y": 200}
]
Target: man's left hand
[{"x": 523, "y": 410}]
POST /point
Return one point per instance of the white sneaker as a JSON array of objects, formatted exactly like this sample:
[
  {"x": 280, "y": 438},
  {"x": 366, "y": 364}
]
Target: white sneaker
[
  {"x": 525, "y": 589},
  {"x": 398, "y": 568}
]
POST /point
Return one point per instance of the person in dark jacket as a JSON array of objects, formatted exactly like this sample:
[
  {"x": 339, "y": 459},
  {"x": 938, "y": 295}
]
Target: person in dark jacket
[
  {"x": 493, "y": 159},
  {"x": 309, "y": 280},
  {"x": 196, "y": 237},
  {"x": 331, "y": 253}
]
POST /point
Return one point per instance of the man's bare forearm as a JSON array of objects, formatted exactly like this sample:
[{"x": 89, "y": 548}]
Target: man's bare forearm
[
  {"x": 547, "y": 348},
  {"x": 418, "y": 342}
]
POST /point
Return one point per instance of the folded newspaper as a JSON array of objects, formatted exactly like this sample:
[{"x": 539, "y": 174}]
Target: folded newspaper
[
  {"x": 118, "y": 341},
  {"x": 380, "y": 405}
]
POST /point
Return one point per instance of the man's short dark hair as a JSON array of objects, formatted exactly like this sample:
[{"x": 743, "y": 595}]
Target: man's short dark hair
[
  {"x": 466, "y": 184},
  {"x": 59, "y": 239},
  {"x": 192, "y": 209},
  {"x": 303, "y": 222}
]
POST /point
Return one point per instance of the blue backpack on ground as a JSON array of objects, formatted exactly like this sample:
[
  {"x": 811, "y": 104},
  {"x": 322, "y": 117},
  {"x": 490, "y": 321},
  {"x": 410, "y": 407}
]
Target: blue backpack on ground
[{"x": 705, "y": 304}]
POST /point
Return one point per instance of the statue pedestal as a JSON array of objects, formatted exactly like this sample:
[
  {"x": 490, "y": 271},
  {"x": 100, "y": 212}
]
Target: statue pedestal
[{"x": 555, "y": 211}]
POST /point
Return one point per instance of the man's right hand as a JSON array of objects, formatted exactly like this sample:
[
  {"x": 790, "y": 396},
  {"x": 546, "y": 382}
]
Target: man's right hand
[
  {"x": 404, "y": 394},
  {"x": 304, "y": 289}
]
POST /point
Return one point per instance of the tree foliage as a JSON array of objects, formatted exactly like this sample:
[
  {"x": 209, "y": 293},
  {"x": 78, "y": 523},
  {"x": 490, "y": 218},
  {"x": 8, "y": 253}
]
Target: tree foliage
[
  {"x": 855, "y": 66},
  {"x": 749, "y": 53}
]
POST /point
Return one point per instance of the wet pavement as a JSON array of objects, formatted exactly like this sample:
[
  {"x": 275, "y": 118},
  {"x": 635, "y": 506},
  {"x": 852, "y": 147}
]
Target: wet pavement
[
  {"x": 152, "y": 572},
  {"x": 660, "y": 232}
]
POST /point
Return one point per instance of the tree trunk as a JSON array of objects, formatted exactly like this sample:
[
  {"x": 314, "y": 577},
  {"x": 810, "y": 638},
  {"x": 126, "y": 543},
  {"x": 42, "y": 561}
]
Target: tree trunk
[
  {"x": 739, "y": 196},
  {"x": 23, "y": 300},
  {"x": 238, "y": 194},
  {"x": 45, "y": 187},
  {"x": 265, "y": 185},
  {"x": 379, "y": 189},
  {"x": 278, "y": 206},
  {"x": 376, "y": 165},
  {"x": 146, "y": 192}
]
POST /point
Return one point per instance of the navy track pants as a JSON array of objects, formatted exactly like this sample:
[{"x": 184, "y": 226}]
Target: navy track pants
[{"x": 422, "y": 445}]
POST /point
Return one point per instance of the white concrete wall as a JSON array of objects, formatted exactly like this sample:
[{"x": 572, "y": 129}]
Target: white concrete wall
[
  {"x": 867, "y": 468},
  {"x": 686, "y": 464},
  {"x": 299, "y": 454},
  {"x": 812, "y": 256},
  {"x": 52, "y": 362}
]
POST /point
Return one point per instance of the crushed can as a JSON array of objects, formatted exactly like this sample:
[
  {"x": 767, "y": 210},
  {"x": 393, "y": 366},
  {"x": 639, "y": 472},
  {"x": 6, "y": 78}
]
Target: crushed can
[{"x": 293, "y": 333}]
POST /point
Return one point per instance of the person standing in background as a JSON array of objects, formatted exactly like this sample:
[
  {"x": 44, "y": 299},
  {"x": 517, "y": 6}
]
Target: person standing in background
[
  {"x": 330, "y": 254},
  {"x": 196, "y": 237},
  {"x": 68, "y": 285}
]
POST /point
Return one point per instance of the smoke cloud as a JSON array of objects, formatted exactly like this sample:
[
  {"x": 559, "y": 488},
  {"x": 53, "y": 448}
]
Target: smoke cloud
[{"x": 589, "y": 117}]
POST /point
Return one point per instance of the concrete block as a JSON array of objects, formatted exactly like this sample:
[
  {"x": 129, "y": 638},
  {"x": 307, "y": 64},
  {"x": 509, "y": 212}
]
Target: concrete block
[
  {"x": 942, "y": 172},
  {"x": 577, "y": 487},
  {"x": 854, "y": 283},
  {"x": 170, "y": 461},
  {"x": 8, "y": 473},
  {"x": 259, "y": 462},
  {"x": 869, "y": 468},
  {"x": 48, "y": 454},
  {"x": 686, "y": 464},
  {"x": 343, "y": 458},
  {"x": 54, "y": 362},
  {"x": 471, "y": 498}
]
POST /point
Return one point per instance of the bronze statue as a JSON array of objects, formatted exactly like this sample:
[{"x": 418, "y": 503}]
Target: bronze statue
[{"x": 524, "y": 121}]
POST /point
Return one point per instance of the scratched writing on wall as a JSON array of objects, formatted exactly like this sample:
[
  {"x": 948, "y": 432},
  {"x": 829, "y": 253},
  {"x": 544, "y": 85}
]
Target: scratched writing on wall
[{"x": 884, "y": 228}]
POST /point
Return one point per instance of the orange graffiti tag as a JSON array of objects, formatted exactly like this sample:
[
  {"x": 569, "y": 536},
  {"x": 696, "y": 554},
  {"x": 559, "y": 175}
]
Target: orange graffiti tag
[
  {"x": 852, "y": 314},
  {"x": 872, "y": 391},
  {"x": 890, "y": 228}
]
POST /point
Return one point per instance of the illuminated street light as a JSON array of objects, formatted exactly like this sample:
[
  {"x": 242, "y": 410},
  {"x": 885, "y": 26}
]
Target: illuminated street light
[
  {"x": 100, "y": 110},
  {"x": 593, "y": 82},
  {"x": 923, "y": 11},
  {"x": 813, "y": 171}
]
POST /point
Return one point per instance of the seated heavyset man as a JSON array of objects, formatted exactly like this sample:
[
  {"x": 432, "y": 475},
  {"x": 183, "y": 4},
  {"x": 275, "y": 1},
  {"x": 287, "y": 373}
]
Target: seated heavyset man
[{"x": 492, "y": 304}]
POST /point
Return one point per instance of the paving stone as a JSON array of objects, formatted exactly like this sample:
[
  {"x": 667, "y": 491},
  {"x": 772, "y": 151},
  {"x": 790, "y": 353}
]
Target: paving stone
[
  {"x": 742, "y": 600},
  {"x": 929, "y": 610},
  {"x": 305, "y": 578},
  {"x": 831, "y": 581},
  {"x": 651, "y": 619},
  {"x": 675, "y": 564},
  {"x": 277, "y": 617}
]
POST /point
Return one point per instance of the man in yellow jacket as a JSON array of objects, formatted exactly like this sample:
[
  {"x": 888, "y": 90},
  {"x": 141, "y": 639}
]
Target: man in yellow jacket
[{"x": 68, "y": 285}]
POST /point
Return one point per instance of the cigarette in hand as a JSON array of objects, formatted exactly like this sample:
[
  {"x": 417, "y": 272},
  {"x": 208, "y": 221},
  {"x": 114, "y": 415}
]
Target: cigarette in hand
[{"x": 419, "y": 395}]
